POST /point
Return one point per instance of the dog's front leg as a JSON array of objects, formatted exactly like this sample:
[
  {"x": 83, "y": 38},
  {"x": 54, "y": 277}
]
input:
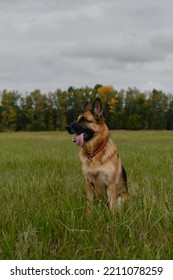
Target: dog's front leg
[
  {"x": 90, "y": 195},
  {"x": 111, "y": 193}
]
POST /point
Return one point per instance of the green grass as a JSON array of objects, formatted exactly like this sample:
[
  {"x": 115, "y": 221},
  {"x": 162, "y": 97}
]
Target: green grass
[{"x": 42, "y": 199}]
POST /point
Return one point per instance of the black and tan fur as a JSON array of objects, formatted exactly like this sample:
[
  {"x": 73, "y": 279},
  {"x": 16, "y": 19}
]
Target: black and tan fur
[{"x": 104, "y": 174}]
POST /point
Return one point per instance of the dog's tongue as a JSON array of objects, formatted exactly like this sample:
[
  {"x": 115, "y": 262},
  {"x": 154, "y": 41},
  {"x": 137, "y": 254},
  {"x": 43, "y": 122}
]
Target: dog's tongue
[{"x": 80, "y": 139}]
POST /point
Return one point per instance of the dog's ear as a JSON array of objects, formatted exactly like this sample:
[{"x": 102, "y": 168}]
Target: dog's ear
[
  {"x": 87, "y": 106},
  {"x": 97, "y": 107}
]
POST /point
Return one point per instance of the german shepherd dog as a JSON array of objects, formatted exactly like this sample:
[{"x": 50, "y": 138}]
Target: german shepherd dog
[{"x": 101, "y": 165}]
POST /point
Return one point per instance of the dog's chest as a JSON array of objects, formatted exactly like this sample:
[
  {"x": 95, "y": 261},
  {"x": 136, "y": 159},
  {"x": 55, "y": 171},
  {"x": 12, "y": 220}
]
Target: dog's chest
[{"x": 100, "y": 175}]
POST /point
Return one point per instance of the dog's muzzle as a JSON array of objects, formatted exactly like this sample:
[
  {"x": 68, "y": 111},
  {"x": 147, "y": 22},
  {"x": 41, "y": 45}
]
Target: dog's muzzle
[{"x": 70, "y": 129}]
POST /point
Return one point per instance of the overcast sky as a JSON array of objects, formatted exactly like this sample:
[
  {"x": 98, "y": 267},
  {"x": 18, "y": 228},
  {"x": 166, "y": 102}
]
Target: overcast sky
[{"x": 50, "y": 44}]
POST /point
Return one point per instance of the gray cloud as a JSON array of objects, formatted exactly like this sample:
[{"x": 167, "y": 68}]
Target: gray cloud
[
  {"x": 49, "y": 44},
  {"x": 163, "y": 42},
  {"x": 125, "y": 51}
]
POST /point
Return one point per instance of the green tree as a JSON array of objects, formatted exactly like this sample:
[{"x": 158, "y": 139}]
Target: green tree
[
  {"x": 61, "y": 121},
  {"x": 1, "y": 128},
  {"x": 118, "y": 115},
  {"x": 10, "y": 110},
  {"x": 169, "y": 115},
  {"x": 51, "y": 112},
  {"x": 157, "y": 109},
  {"x": 36, "y": 109}
]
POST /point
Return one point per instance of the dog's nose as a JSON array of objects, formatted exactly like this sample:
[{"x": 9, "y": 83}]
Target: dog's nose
[{"x": 68, "y": 128}]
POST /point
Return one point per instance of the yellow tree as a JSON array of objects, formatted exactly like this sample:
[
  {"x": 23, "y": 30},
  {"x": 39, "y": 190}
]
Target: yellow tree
[{"x": 108, "y": 96}]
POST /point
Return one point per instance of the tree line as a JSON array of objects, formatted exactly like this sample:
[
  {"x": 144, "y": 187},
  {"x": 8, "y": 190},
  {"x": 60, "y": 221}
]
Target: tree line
[{"x": 123, "y": 109}]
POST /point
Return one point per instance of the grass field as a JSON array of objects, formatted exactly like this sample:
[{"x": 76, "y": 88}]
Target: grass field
[{"x": 42, "y": 199}]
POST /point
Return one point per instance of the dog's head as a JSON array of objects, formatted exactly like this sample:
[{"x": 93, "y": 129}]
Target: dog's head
[{"x": 88, "y": 123}]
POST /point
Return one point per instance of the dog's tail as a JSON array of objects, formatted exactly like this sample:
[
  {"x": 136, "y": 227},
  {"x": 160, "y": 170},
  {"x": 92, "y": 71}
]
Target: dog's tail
[{"x": 124, "y": 175}]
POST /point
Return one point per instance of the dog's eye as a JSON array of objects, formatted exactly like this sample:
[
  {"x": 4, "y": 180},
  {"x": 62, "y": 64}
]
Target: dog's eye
[{"x": 83, "y": 119}]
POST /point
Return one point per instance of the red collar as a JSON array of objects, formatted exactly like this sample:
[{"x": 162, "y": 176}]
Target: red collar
[{"x": 91, "y": 155}]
